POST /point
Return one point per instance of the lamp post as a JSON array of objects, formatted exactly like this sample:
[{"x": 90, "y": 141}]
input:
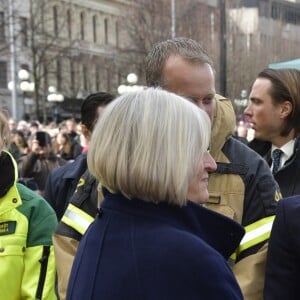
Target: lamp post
[
  {"x": 132, "y": 86},
  {"x": 55, "y": 97},
  {"x": 25, "y": 86}
]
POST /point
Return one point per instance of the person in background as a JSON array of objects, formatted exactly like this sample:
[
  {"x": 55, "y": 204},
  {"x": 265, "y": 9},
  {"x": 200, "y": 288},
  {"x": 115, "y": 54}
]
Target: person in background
[
  {"x": 26, "y": 224},
  {"x": 274, "y": 112},
  {"x": 71, "y": 129},
  {"x": 18, "y": 146},
  {"x": 151, "y": 226},
  {"x": 40, "y": 160},
  {"x": 63, "y": 146},
  {"x": 242, "y": 187},
  {"x": 62, "y": 182},
  {"x": 34, "y": 127},
  {"x": 24, "y": 127},
  {"x": 82, "y": 206},
  {"x": 12, "y": 124}
]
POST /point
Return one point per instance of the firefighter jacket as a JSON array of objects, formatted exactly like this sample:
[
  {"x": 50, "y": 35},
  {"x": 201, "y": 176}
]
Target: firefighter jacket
[
  {"x": 287, "y": 176},
  {"x": 26, "y": 253},
  {"x": 80, "y": 213},
  {"x": 61, "y": 184},
  {"x": 243, "y": 189}
]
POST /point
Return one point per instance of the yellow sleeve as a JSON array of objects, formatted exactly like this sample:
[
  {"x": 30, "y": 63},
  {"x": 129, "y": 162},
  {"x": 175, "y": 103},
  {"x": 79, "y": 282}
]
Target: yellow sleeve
[{"x": 39, "y": 273}]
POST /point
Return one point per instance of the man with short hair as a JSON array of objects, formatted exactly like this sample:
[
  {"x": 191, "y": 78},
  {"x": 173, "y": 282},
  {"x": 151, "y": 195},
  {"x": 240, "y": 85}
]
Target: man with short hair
[
  {"x": 62, "y": 182},
  {"x": 75, "y": 207},
  {"x": 242, "y": 187},
  {"x": 274, "y": 112}
]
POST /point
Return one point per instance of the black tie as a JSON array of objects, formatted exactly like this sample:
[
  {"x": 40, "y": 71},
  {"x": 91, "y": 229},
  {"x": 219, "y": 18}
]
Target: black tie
[{"x": 276, "y": 160}]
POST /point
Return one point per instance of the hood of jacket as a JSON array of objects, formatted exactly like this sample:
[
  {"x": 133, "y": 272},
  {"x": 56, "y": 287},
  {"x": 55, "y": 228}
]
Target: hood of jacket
[
  {"x": 9, "y": 171},
  {"x": 223, "y": 124}
]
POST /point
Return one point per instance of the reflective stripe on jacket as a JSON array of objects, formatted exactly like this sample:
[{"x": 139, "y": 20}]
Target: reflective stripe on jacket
[{"x": 77, "y": 218}]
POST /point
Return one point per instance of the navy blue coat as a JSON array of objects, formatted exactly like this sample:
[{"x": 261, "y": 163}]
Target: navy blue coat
[
  {"x": 138, "y": 250},
  {"x": 283, "y": 261},
  {"x": 62, "y": 182}
]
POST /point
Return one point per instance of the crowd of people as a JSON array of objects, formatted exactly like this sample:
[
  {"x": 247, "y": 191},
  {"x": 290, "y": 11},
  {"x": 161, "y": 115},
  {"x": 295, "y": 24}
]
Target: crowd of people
[{"x": 152, "y": 195}]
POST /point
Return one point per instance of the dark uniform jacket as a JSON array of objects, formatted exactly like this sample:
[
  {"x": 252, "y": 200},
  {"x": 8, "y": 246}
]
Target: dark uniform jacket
[
  {"x": 287, "y": 176},
  {"x": 140, "y": 250},
  {"x": 283, "y": 263},
  {"x": 62, "y": 182}
]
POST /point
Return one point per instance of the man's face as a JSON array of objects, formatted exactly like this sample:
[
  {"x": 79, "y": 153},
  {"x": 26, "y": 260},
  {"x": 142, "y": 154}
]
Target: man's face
[
  {"x": 265, "y": 117},
  {"x": 193, "y": 81}
]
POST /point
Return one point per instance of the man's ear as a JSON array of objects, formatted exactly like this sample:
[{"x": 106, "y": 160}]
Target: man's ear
[
  {"x": 286, "y": 109},
  {"x": 85, "y": 131}
]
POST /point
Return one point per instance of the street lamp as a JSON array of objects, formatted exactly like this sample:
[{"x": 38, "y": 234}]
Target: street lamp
[
  {"x": 55, "y": 97},
  {"x": 25, "y": 86},
  {"x": 132, "y": 79}
]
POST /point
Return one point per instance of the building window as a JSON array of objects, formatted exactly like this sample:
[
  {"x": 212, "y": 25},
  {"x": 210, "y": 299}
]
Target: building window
[
  {"x": 82, "y": 26},
  {"x": 97, "y": 78},
  {"x": 2, "y": 26},
  {"x": 84, "y": 77},
  {"x": 72, "y": 75},
  {"x": 95, "y": 29},
  {"x": 3, "y": 75},
  {"x": 106, "y": 31},
  {"x": 55, "y": 24},
  {"x": 24, "y": 31},
  {"x": 58, "y": 75},
  {"x": 69, "y": 23},
  {"x": 117, "y": 34},
  {"x": 108, "y": 83}
]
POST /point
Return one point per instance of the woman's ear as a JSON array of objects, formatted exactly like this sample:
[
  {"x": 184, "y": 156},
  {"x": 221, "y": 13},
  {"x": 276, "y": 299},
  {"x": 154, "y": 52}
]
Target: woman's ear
[{"x": 286, "y": 109}]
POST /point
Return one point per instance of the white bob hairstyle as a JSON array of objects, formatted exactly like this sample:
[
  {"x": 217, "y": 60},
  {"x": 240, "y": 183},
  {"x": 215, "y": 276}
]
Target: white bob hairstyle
[{"x": 148, "y": 145}]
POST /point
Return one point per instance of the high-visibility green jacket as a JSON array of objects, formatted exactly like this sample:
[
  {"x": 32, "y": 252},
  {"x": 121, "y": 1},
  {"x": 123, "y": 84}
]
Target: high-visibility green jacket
[{"x": 27, "y": 267}]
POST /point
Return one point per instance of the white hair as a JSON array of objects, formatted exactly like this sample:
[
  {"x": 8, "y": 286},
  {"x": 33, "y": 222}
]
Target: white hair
[{"x": 148, "y": 144}]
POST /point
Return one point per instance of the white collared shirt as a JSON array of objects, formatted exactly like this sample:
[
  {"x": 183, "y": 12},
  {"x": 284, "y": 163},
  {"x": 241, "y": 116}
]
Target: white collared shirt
[{"x": 287, "y": 150}]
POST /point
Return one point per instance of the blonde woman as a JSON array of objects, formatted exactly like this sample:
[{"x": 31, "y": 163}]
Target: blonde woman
[{"x": 152, "y": 238}]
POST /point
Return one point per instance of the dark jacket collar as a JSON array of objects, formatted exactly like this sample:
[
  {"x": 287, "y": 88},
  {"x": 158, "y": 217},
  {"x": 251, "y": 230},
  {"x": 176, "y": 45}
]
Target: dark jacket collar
[{"x": 220, "y": 232}]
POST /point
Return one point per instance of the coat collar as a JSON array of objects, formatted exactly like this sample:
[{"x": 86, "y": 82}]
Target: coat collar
[{"x": 220, "y": 232}]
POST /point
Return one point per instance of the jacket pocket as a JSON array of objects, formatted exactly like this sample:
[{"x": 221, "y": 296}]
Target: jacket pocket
[{"x": 228, "y": 204}]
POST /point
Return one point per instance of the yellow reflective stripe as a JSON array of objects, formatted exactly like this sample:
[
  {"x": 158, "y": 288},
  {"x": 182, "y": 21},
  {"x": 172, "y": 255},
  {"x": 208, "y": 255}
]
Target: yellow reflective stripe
[
  {"x": 77, "y": 218},
  {"x": 256, "y": 233},
  {"x": 233, "y": 257}
]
